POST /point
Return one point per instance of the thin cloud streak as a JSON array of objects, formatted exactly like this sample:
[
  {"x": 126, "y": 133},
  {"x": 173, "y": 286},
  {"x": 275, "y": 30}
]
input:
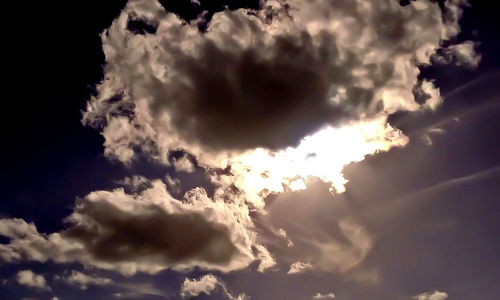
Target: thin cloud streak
[{"x": 454, "y": 181}]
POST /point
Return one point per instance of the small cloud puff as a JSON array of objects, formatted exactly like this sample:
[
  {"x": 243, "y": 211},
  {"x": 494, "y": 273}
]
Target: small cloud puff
[
  {"x": 319, "y": 296},
  {"x": 30, "y": 279},
  {"x": 436, "y": 295},
  {"x": 206, "y": 284},
  {"x": 299, "y": 267}
]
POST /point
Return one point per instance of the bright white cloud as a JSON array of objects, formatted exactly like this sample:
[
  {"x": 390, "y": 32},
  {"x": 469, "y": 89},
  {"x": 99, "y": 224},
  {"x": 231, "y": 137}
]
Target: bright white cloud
[{"x": 193, "y": 287}]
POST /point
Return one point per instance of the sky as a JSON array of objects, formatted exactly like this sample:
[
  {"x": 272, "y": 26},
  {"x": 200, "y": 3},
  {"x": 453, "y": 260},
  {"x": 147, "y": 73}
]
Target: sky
[{"x": 244, "y": 149}]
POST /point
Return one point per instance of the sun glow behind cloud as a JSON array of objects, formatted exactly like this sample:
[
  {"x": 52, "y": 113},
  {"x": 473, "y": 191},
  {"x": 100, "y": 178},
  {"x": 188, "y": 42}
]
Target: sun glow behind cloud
[
  {"x": 323, "y": 155},
  {"x": 279, "y": 95}
]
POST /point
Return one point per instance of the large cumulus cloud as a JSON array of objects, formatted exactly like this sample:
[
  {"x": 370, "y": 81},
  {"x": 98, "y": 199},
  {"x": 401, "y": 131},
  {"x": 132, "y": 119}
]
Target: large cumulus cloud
[{"x": 263, "y": 78}]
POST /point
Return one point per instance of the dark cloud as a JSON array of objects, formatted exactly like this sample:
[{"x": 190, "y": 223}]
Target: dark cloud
[
  {"x": 147, "y": 232},
  {"x": 228, "y": 99},
  {"x": 116, "y": 235}
]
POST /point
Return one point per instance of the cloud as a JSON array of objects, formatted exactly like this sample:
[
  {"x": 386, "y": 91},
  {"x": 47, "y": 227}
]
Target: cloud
[
  {"x": 266, "y": 78},
  {"x": 118, "y": 231},
  {"x": 427, "y": 136},
  {"x": 436, "y": 295},
  {"x": 135, "y": 183},
  {"x": 83, "y": 281},
  {"x": 326, "y": 296},
  {"x": 206, "y": 284},
  {"x": 299, "y": 267},
  {"x": 460, "y": 54},
  {"x": 137, "y": 290},
  {"x": 128, "y": 290},
  {"x": 266, "y": 260},
  {"x": 183, "y": 163},
  {"x": 30, "y": 279},
  {"x": 173, "y": 184},
  {"x": 325, "y": 232},
  {"x": 339, "y": 256},
  {"x": 452, "y": 182},
  {"x": 260, "y": 85}
]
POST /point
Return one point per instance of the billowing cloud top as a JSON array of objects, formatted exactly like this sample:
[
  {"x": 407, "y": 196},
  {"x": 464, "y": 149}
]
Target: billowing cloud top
[{"x": 268, "y": 80}]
